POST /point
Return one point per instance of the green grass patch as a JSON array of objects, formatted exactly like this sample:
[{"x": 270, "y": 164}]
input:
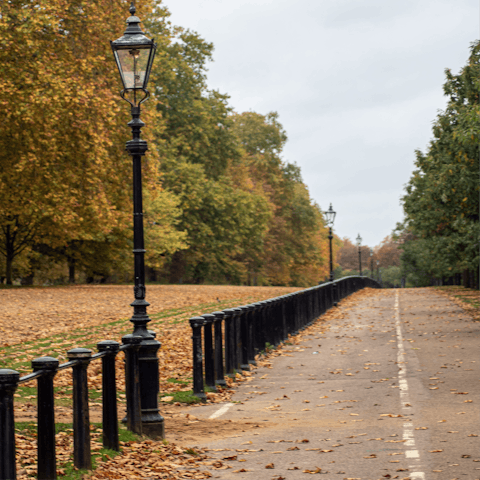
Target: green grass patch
[
  {"x": 175, "y": 380},
  {"x": 183, "y": 397}
]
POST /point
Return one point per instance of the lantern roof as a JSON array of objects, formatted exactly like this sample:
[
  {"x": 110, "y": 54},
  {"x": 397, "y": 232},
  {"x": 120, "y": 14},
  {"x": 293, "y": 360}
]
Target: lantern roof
[{"x": 133, "y": 35}]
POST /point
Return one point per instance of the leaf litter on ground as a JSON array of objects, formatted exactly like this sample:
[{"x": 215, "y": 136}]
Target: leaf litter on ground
[{"x": 53, "y": 337}]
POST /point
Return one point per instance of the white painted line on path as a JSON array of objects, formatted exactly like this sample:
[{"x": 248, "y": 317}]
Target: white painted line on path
[
  {"x": 417, "y": 476},
  {"x": 221, "y": 411},
  {"x": 408, "y": 432}
]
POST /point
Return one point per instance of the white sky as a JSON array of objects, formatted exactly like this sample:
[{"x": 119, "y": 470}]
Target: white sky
[{"x": 356, "y": 83}]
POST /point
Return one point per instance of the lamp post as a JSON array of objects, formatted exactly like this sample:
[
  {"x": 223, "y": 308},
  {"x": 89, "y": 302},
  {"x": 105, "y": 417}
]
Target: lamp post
[
  {"x": 371, "y": 261},
  {"x": 134, "y": 54},
  {"x": 378, "y": 274},
  {"x": 330, "y": 218},
  {"x": 359, "y": 244}
]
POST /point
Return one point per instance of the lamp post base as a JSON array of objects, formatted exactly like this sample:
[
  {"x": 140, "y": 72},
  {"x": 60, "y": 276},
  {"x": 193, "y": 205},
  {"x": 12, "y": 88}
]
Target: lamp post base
[{"x": 154, "y": 430}]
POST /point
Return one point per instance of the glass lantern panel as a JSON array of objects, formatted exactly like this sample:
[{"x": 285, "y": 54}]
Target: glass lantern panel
[
  {"x": 133, "y": 66},
  {"x": 330, "y": 217}
]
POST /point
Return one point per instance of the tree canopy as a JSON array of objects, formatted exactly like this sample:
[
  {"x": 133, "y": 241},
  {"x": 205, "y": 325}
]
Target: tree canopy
[
  {"x": 221, "y": 203},
  {"x": 441, "y": 202}
]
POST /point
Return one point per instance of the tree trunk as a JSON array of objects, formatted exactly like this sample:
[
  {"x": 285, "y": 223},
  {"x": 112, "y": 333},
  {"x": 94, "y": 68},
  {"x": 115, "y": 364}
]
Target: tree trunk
[
  {"x": 71, "y": 270},
  {"x": 9, "y": 268},
  {"x": 10, "y": 255}
]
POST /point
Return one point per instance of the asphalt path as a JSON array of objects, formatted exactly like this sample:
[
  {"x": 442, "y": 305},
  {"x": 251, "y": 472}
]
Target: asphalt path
[{"x": 388, "y": 388}]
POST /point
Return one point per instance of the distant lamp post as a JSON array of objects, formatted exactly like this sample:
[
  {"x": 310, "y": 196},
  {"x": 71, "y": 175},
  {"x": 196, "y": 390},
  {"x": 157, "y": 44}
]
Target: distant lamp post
[
  {"x": 359, "y": 244},
  {"x": 330, "y": 219},
  {"x": 134, "y": 54},
  {"x": 378, "y": 274},
  {"x": 371, "y": 261}
]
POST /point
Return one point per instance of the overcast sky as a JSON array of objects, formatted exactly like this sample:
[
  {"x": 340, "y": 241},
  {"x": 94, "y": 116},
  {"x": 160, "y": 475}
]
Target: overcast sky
[{"x": 356, "y": 84}]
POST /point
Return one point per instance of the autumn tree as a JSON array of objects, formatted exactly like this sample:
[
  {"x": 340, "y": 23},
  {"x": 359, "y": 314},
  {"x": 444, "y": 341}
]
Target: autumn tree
[
  {"x": 64, "y": 177},
  {"x": 388, "y": 252},
  {"x": 293, "y": 253},
  {"x": 221, "y": 203},
  {"x": 348, "y": 257}
]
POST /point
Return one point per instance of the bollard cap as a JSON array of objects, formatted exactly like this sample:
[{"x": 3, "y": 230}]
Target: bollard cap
[
  {"x": 108, "y": 346},
  {"x": 8, "y": 376},
  {"x": 45, "y": 363},
  {"x": 131, "y": 339},
  {"x": 209, "y": 318},
  {"x": 228, "y": 312},
  {"x": 78, "y": 353},
  {"x": 196, "y": 322},
  {"x": 218, "y": 315}
]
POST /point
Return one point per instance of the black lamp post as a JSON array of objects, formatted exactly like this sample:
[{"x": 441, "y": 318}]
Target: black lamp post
[
  {"x": 359, "y": 244},
  {"x": 330, "y": 218},
  {"x": 134, "y": 54},
  {"x": 371, "y": 261},
  {"x": 378, "y": 274}
]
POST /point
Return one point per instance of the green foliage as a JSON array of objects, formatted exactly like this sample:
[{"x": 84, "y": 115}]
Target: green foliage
[
  {"x": 442, "y": 197},
  {"x": 391, "y": 276}
]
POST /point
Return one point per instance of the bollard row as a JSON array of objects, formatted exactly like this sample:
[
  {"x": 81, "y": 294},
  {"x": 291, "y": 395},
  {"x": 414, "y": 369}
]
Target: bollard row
[
  {"x": 227, "y": 342},
  {"x": 44, "y": 371}
]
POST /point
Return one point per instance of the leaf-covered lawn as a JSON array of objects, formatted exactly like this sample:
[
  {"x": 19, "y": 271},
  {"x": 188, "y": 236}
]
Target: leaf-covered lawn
[
  {"x": 81, "y": 316},
  {"x": 50, "y": 321},
  {"x": 466, "y": 298}
]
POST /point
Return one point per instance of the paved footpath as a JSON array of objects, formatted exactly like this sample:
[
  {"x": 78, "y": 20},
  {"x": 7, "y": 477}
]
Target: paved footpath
[{"x": 390, "y": 388}]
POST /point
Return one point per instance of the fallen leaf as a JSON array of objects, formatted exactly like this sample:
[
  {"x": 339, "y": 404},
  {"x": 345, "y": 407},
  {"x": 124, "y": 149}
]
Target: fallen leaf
[{"x": 317, "y": 470}]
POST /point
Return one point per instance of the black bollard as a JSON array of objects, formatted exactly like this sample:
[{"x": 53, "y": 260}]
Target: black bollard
[
  {"x": 82, "y": 457},
  {"x": 47, "y": 468},
  {"x": 109, "y": 394},
  {"x": 257, "y": 326},
  {"x": 229, "y": 343},
  {"x": 8, "y": 384},
  {"x": 262, "y": 327},
  {"x": 218, "y": 335},
  {"x": 243, "y": 321},
  {"x": 237, "y": 340},
  {"x": 209, "y": 352},
  {"x": 197, "y": 323},
  {"x": 251, "y": 333}
]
